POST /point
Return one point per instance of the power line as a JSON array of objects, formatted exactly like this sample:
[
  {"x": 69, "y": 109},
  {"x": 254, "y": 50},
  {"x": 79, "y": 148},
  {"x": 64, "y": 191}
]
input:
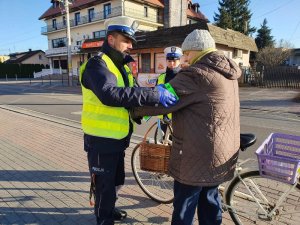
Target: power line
[
  {"x": 16, "y": 42},
  {"x": 273, "y": 10},
  {"x": 295, "y": 30}
]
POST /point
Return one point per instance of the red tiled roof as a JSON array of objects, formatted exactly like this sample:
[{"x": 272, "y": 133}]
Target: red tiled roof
[
  {"x": 156, "y": 2},
  {"x": 78, "y": 4},
  {"x": 194, "y": 15}
]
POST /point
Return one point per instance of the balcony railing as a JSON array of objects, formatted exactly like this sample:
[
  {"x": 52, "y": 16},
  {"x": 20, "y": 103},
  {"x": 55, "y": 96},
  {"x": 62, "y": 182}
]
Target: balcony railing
[
  {"x": 117, "y": 11},
  {"x": 151, "y": 17},
  {"x": 62, "y": 50}
]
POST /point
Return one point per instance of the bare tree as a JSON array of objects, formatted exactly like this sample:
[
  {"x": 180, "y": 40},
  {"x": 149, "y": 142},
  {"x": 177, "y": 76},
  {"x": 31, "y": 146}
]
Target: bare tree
[
  {"x": 285, "y": 44},
  {"x": 270, "y": 56}
]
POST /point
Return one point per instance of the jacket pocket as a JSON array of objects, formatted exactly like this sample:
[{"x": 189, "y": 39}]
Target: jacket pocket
[{"x": 176, "y": 156}]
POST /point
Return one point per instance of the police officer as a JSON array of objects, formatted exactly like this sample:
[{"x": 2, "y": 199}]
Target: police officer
[
  {"x": 108, "y": 93},
  {"x": 173, "y": 55}
]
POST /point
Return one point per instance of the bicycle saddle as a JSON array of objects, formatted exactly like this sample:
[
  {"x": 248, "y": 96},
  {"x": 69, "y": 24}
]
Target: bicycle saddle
[{"x": 247, "y": 140}]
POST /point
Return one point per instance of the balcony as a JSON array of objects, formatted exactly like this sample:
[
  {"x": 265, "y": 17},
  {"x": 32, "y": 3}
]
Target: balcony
[
  {"x": 117, "y": 11},
  {"x": 62, "y": 51},
  {"x": 151, "y": 17}
]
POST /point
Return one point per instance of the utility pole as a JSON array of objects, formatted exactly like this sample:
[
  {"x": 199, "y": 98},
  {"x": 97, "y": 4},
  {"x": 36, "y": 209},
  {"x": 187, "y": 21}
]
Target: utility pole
[
  {"x": 66, "y": 4},
  {"x": 70, "y": 75}
]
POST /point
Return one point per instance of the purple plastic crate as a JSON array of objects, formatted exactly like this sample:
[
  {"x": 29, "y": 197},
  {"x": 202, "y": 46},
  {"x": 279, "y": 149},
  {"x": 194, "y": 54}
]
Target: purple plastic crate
[{"x": 279, "y": 157}]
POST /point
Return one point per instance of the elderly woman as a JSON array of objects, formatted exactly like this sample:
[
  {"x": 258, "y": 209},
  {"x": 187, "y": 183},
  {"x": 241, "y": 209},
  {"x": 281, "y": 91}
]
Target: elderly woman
[{"x": 206, "y": 125}]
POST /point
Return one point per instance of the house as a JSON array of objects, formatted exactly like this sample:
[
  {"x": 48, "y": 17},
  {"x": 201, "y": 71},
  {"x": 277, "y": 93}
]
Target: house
[
  {"x": 87, "y": 24},
  {"x": 162, "y": 23},
  {"x": 150, "y": 59},
  {"x": 294, "y": 59},
  {"x": 234, "y": 44},
  {"x": 3, "y": 58},
  {"x": 29, "y": 57}
]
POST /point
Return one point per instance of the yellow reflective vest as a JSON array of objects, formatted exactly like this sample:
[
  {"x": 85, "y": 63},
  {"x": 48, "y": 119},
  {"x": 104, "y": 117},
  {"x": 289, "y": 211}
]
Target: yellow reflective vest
[
  {"x": 101, "y": 120},
  {"x": 162, "y": 80}
]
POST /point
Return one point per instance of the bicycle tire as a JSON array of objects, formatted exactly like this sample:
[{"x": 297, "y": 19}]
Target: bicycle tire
[
  {"x": 243, "y": 210},
  {"x": 157, "y": 186},
  {"x": 156, "y": 134}
]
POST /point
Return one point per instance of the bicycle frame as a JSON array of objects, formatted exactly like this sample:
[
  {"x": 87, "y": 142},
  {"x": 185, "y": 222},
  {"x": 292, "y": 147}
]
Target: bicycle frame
[
  {"x": 246, "y": 196},
  {"x": 251, "y": 197}
]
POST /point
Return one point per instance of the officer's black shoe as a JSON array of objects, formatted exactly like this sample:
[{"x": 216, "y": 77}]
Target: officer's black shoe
[{"x": 119, "y": 214}]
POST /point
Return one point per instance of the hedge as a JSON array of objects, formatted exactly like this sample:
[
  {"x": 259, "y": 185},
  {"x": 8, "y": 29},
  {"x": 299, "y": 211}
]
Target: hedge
[{"x": 22, "y": 70}]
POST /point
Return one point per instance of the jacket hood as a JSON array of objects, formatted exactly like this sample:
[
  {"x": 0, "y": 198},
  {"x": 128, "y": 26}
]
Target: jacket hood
[{"x": 225, "y": 66}]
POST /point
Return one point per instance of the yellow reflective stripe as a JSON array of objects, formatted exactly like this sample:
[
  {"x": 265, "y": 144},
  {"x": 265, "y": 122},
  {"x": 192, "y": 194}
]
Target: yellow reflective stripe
[
  {"x": 92, "y": 128},
  {"x": 117, "y": 112},
  {"x": 105, "y": 118},
  {"x": 161, "y": 79},
  {"x": 106, "y": 125},
  {"x": 162, "y": 116},
  {"x": 130, "y": 76},
  {"x": 112, "y": 68}
]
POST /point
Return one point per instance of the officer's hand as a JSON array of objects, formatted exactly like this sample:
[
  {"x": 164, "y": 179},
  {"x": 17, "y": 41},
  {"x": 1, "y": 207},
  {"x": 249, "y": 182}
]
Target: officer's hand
[{"x": 166, "y": 98}]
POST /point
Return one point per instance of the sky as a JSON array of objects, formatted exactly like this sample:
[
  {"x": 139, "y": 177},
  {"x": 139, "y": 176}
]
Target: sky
[{"x": 21, "y": 29}]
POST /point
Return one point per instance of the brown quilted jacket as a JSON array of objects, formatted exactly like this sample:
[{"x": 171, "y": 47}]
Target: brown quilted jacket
[{"x": 206, "y": 121}]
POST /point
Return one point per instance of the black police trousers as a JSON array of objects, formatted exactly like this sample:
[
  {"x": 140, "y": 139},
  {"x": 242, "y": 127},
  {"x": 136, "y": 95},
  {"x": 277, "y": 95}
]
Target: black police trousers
[{"x": 107, "y": 171}]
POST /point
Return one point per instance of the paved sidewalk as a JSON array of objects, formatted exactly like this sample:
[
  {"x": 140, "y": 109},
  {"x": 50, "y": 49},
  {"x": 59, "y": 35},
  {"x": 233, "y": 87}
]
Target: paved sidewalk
[{"x": 44, "y": 177}]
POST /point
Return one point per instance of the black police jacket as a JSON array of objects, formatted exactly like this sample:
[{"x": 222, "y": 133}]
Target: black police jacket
[{"x": 103, "y": 83}]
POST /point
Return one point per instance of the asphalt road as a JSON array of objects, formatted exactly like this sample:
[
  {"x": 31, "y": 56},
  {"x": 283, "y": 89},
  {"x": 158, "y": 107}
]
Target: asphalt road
[{"x": 263, "y": 111}]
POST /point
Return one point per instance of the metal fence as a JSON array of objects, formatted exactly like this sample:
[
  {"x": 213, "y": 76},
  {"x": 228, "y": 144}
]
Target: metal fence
[{"x": 273, "y": 77}]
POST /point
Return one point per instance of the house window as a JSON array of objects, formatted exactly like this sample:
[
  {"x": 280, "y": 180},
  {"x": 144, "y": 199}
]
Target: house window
[
  {"x": 91, "y": 14},
  {"x": 64, "y": 21},
  {"x": 54, "y": 26},
  {"x": 59, "y": 42},
  {"x": 146, "y": 62},
  {"x": 238, "y": 53},
  {"x": 145, "y": 11},
  {"x": 40, "y": 57},
  {"x": 55, "y": 4},
  {"x": 78, "y": 43},
  {"x": 99, "y": 34},
  {"x": 77, "y": 18},
  {"x": 107, "y": 10}
]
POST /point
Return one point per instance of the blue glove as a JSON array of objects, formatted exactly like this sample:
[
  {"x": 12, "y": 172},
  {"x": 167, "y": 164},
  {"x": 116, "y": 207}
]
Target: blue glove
[{"x": 166, "y": 98}]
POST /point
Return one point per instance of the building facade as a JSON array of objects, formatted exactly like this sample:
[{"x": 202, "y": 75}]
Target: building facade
[
  {"x": 294, "y": 59},
  {"x": 29, "y": 57},
  {"x": 162, "y": 23},
  {"x": 3, "y": 58},
  {"x": 87, "y": 24}
]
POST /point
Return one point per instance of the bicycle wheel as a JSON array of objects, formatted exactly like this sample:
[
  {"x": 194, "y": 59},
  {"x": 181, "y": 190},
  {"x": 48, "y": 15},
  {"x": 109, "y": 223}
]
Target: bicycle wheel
[
  {"x": 158, "y": 138},
  {"x": 157, "y": 186},
  {"x": 244, "y": 210}
]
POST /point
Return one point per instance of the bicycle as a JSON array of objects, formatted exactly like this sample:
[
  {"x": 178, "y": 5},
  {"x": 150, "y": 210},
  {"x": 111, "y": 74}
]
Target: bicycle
[{"x": 248, "y": 197}]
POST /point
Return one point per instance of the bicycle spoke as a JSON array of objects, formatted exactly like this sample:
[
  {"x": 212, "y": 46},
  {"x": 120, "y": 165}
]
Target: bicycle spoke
[
  {"x": 257, "y": 199},
  {"x": 157, "y": 186}
]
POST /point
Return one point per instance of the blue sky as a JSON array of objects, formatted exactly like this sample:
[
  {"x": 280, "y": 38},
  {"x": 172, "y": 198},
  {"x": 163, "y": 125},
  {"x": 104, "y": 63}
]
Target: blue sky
[{"x": 21, "y": 29}]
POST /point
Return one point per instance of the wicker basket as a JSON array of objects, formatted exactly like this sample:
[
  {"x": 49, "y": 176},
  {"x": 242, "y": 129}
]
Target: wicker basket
[{"x": 154, "y": 157}]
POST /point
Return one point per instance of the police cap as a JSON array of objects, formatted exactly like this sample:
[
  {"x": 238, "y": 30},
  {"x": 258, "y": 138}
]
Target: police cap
[
  {"x": 173, "y": 53},
  {"x": 127, "y": 26}
]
